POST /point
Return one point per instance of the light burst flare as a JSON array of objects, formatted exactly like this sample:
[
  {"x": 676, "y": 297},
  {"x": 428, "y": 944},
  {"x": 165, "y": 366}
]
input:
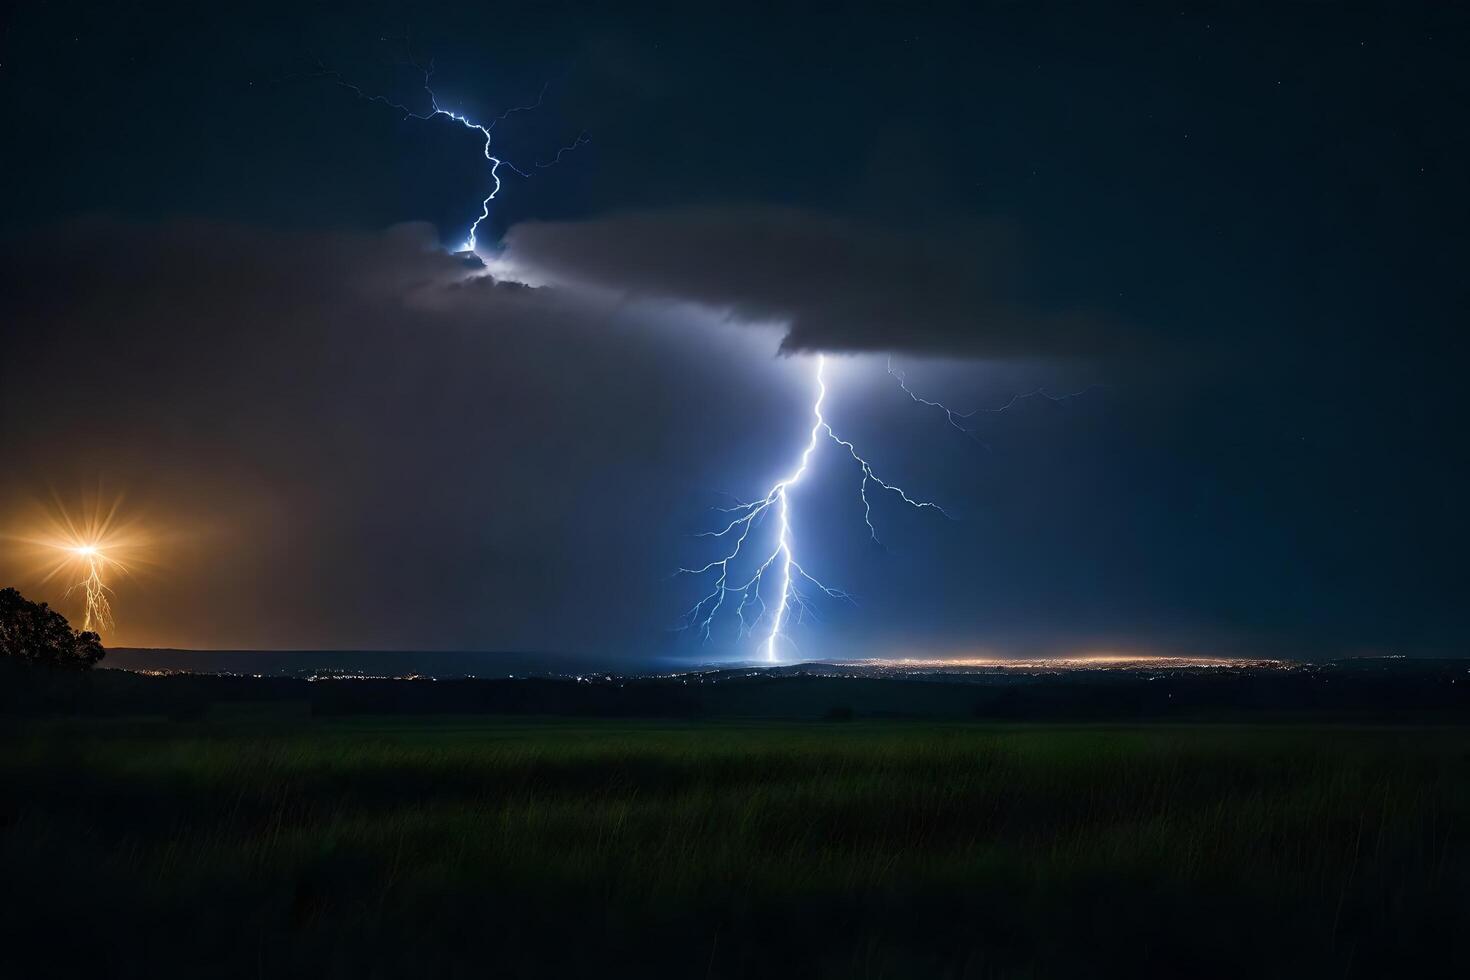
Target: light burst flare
[
  {"x": 87, "y": 550},
  {"x": 788, "y": 599}
]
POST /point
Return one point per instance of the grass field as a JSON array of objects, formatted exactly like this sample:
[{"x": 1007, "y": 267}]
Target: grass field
[{"x": 550, "y": 848}]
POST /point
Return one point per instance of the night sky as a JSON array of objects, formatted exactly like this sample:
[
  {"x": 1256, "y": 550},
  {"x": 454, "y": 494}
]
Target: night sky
[{"x": 1239, "y": 234}]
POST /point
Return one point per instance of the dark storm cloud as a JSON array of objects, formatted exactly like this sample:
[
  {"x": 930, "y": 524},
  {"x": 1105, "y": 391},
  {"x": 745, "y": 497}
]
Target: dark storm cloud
[
  {"x": 354, "y": 439},
  {"x": 839, "y": 285}
]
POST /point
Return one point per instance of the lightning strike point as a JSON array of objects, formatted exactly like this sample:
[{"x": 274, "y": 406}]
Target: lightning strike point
[{"x": 781, "y": 560}]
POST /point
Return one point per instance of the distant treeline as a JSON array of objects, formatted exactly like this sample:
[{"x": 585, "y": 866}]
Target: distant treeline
[{"x": 1433, "y": 691}]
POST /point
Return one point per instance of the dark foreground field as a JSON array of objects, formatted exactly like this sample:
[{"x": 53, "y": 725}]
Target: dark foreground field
[{"x": 482, "y": 848}]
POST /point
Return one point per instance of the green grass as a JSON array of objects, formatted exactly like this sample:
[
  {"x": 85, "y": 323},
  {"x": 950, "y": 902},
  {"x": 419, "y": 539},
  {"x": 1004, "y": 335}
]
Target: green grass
[{"x": 550, "y": 848}]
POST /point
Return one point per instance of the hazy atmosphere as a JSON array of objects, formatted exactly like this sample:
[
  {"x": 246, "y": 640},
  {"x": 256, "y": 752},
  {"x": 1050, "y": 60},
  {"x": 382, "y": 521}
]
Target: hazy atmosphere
[
  {"x": 1234, "y": 238},
  {"x": 826, "y": 490}
]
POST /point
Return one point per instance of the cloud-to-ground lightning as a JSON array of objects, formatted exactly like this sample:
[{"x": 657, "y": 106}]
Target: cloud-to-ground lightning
[
  {"x": 754, "y": 603},
  {"x": 86, "y": 549},
  {"x": 752, "y": 610},
  {"x": 484, "y": 129},
  {"x": 98, "y": 615}
]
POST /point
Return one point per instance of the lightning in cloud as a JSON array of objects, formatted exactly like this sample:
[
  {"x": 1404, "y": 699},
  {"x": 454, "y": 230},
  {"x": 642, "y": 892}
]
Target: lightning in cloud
[
  {"x": 485, "y": 130},
  {"x": 740, "y": 585},
  {"x": 769, "y": 608},
  {"x": 581, "y": 140},
  {"x": 956, "y": 419}
]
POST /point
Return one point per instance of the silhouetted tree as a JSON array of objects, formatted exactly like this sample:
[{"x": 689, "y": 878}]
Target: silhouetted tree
[{"x": 34, "y": 634}]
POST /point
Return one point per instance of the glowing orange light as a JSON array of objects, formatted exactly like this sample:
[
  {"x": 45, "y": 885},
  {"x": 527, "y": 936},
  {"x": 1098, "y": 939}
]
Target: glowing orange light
[
  {"x": 1093, "y": 661},
  {"x": 87, "y": 548}
]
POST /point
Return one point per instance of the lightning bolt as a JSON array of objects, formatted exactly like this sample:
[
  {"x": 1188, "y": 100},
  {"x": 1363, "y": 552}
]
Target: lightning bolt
[
  {"x": 955, "y": 419},
  {"x": 780, "y": 561},
  {"x": 485, "y": 130},
  {"x": 98, "y": 615}
]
